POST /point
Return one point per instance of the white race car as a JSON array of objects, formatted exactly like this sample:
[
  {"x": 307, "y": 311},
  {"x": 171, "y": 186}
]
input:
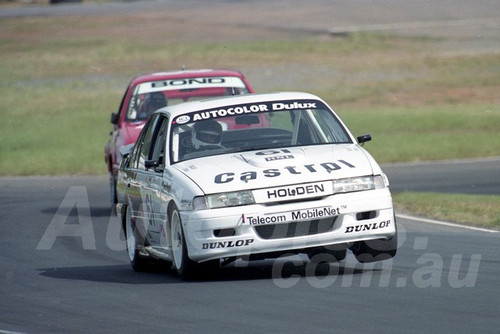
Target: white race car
[{"x": 252, "y": 177}]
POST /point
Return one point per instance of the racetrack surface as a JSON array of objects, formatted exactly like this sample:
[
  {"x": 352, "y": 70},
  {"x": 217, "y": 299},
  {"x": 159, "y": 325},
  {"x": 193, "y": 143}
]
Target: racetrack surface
[
  {"x": 443, "y": 279},
  {"x": 474, "y": 176}
]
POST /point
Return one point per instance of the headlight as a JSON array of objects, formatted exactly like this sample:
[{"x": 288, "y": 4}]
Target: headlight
[
  {"x": 223, "y": 200},
  {"x": 359, "y": 184}
]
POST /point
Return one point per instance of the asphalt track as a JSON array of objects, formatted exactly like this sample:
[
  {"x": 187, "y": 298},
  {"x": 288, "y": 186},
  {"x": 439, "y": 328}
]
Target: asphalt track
[
  {"x": 444, "y": 279},
  {"x": 63, "y": 269},
  {"x": 474, "y": 176}
]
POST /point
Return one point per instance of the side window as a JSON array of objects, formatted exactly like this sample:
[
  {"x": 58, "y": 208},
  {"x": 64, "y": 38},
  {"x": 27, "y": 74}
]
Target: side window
[
  {"x": 123, "y": 100},
  {"x": 137, "y": 156},
  {"x": 329, "y": 126},
  {"x": 159, "y": 142},
  {"x": 144, "y": 152},
  {"x": 133, "y": 103},
  {"x": 151, "y": 144},
  {"x": 134, "y": 155}
]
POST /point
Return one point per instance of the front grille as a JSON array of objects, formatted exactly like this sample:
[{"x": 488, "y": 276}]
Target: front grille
[{"x": 296, "y": 229}]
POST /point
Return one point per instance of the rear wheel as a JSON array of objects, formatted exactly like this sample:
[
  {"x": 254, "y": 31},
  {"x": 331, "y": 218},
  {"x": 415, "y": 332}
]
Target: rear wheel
[
  {"x": 137, "y": 261},
  {"x": 185, "y": 267}
]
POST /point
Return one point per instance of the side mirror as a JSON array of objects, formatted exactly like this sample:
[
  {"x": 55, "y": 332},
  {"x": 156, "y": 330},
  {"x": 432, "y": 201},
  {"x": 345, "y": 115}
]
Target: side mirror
[
  {"x": 156, "y": 165},
  {"x": 126, "y": 150},
  {"x": 364, "y": 138},
  {"x": 114, "y": 118},
  {"x": 151, "y": 164}
]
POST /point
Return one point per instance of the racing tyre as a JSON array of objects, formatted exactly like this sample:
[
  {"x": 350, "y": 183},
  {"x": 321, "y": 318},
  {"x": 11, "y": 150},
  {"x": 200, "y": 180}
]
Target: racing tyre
[
  {"x": 376, "y": 250},
  {"x": 138, "y": 261},
  {"x": 185, "y": 267}
]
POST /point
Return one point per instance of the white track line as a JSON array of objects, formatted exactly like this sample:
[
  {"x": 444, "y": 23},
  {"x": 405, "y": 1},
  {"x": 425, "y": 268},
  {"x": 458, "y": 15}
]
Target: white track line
[{"x": 437, "y": 222}]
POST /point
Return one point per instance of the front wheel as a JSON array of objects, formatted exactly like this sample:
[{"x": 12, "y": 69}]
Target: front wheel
[
  {"x": 376, "y": 250},
  {"x": 185, "y": 267},
  {"x": 137, "y": 261}
]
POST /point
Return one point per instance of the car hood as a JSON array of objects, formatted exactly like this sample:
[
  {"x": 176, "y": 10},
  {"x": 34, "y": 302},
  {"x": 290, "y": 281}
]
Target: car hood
[{"x": 278, "y": 167}]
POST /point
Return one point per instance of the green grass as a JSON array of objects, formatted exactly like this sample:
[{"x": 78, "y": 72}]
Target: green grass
[
  {"x": 66, "y": 138},
  {"x": 479, "y": 210},
  {"x": 428, "y": 132}
]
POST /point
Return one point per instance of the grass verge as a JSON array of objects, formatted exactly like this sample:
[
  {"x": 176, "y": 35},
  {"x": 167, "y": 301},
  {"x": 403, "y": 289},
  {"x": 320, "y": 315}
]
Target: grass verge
[{"x": 477, "y": 210}]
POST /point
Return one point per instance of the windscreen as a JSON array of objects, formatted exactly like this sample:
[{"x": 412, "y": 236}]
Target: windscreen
[
  {"x": 254, "y": 126},
  {"x": 151, "y": 96}
]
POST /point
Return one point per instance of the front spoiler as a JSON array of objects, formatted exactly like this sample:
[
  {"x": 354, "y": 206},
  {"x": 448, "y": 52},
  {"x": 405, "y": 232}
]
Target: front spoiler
[{"x": 351, "y": 224}]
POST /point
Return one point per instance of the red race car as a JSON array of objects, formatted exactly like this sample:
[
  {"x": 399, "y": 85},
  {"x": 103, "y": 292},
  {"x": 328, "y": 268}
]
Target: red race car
[{"x": 147, "y": 93}]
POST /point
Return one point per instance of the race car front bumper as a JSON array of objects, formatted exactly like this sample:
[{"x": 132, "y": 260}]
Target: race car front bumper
[{"x": 258, "y": 228}]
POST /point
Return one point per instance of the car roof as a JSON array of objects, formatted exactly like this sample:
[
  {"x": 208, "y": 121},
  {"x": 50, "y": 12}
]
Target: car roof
[
  {"x": 185, "y": 74},
  {"x": 220, "y": 102}
]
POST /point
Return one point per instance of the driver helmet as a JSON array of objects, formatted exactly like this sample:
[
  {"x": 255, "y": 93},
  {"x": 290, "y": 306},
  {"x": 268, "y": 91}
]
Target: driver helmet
[{"x": 206, "y": 133}]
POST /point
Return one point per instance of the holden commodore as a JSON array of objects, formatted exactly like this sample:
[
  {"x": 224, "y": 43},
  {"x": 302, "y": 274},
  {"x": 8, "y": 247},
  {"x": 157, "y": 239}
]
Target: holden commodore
[{"x": 199, "y": 194}]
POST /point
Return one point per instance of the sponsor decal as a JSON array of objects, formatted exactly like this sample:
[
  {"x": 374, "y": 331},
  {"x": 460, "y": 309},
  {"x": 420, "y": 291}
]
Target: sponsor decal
[
  {"x": 227, "y": 244},
  {"x": 368, "y": 227},
  {"x": 294, "y": 105},
  {"x": 231, "y": 111},
  {"x": 183, "y": 119},
  {"x": 274, "y": 172},
  {"x": 242, "y": 108},
  {"x": 264, "y": 220},
  {"x": 315, "y": 213},
  {"x": 293, "y": 192},
  {"x": 296, "y": 191},
  {"x": 291, "y": 216},
  {"x": 189, "y": 82},
  {"x": 279, "y": 157}
]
